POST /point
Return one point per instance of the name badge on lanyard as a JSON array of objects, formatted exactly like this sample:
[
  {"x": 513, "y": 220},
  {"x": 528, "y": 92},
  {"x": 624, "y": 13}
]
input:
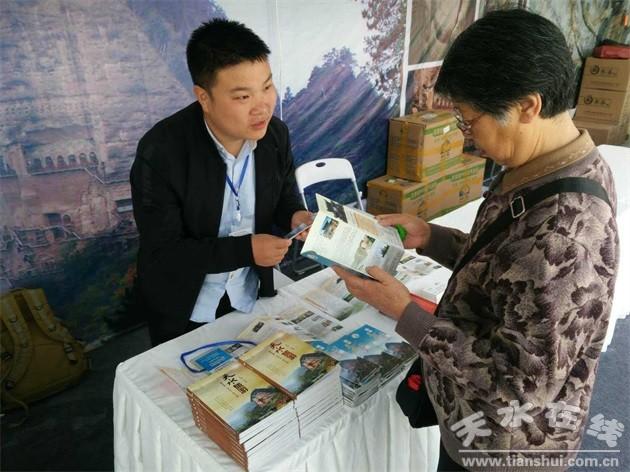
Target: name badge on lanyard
[{"x": 235, "y": 191}]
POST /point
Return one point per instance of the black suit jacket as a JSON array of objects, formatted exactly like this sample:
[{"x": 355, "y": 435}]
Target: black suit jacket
[{"x": 177, "y": 184}]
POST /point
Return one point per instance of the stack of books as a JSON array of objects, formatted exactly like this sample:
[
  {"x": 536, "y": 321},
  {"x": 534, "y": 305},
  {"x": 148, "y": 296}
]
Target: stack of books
[
  {"x": 369, "y": 358},
  {"x": 247, "y": 416},
  {"x": 266, "y": 400},
  {"x": 390, "y": 355},
  {"x": 308, "y": 376},
  {"x": 360, "y": 378}
]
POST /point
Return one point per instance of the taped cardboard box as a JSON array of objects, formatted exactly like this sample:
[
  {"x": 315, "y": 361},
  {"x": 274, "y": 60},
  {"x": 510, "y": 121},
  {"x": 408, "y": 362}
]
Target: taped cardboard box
[
  {"x": 603, "y": 106},
  {"x": 605, "y": 133},
  {"x": 423, "y": 144},
  {"x": 432, "y": 197},
  {"x": 606, "y": 74}
]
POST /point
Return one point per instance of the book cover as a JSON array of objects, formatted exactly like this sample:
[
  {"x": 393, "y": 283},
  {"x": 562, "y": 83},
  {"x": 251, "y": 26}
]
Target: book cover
[
  {"x": 240, "y": 397},
  {"x": 289, "y": 362},
  {"x": 378, "y": 348},
  {"x": 355, "y": 371}
]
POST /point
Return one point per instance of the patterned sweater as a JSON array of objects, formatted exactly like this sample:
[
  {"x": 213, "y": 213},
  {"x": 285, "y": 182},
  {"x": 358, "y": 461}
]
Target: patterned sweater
[{"x": 521, "y": 326}]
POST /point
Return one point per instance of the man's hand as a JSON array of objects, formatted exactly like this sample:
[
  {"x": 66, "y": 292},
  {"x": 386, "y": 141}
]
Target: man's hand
[
  {"x": 269, "y": 250},
  {"x": 418, "y": 230},
  {"x": 386, "y": 294},
  {"x": 300, "y": 217}
]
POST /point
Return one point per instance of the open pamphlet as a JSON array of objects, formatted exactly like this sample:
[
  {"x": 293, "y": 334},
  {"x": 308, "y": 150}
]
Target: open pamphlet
[{"x": 344, "y": 236}]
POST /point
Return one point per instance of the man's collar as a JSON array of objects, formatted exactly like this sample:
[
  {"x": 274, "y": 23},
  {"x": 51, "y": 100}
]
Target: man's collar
[
  {"x": 248, "y": 146},
  {"x": 547, "y": 163}
]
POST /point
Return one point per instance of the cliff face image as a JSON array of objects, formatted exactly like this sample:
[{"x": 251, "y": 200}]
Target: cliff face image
[{"x": 81, "y": 82}]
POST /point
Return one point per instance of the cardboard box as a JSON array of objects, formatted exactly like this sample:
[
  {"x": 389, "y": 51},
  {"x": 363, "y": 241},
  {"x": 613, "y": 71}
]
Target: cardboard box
[
  {"x": 430, "y": 198},
  {"x": 605, "y": 133},
  {"x": 606, "y": 74},
  {"x": 603, "y": 106},
  {"x": 423, "y": 144}
]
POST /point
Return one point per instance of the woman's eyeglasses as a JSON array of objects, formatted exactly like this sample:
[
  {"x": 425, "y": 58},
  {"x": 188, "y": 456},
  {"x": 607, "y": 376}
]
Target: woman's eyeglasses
[{"x": 465, "y": 126}]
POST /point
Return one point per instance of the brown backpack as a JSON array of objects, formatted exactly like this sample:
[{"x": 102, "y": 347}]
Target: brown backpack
[{"x": 39, "y": 356}]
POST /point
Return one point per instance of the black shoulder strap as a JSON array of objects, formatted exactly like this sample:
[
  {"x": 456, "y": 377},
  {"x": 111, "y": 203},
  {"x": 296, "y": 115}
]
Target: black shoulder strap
[{"x": 523, "y": 202}]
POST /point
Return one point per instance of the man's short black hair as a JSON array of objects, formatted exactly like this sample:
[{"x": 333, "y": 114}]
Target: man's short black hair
[
  {"x": 505, "y": 56},
  {"x": 218, "y": 44}
]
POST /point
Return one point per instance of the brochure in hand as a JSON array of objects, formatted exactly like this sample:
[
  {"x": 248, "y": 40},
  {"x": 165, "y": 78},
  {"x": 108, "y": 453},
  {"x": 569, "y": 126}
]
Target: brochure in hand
[
  {"x": 423, "y": 276},
  {"x": 344, "y": 236}
]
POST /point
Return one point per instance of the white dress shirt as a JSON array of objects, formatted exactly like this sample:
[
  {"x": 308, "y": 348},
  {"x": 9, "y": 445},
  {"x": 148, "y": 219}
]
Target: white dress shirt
[{"x": 242, "y": 284}]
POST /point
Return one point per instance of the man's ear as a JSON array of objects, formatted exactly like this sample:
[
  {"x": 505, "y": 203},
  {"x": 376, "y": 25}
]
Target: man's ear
[
  {"x": 529, "y": 107},
  {"x": 203, "y": 97}
]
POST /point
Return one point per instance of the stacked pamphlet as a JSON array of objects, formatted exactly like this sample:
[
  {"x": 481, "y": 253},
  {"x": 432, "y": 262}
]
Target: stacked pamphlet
[
  {"x": 247, "y": 416},
  {"x": 368, "y": 358},
  {"x": 423, "y": 276},
  {"x": 360, "y": 378},
  {"x": 344, "y": 236},
  {"x": 308, "y": 376},
  {"x": 377, "y": 347}
]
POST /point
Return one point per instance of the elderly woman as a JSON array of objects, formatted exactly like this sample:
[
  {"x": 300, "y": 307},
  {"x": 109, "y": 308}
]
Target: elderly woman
[{"x": 510, "y": 357}]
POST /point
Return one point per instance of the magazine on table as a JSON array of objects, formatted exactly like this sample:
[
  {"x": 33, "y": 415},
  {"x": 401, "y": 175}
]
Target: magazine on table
[
  {"x": 243, "y": 413},
  {"x": 234, "y": 396},
  {"x": 360, "y": 378},
  {"x": 318, "y": 324},
  {"x": 305, "y": 322},
  {"x": 344, "y": 236},
  {"x": 262, "y": 327},
  {"x": 326, "y": 292}
]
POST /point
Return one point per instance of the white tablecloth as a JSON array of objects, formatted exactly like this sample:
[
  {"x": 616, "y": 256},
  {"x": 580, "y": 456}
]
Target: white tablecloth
[
  {"x": 154, "y": 430},
  {"x": 618, "y": 159}
]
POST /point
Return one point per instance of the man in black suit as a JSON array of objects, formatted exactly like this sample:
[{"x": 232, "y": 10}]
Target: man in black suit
[{"x": 208, "y": 183}]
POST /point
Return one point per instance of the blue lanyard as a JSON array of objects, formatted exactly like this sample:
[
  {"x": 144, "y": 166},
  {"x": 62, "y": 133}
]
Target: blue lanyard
[
  {"x": 183, "y": 356},
  {"x": 240, "y": 182}
]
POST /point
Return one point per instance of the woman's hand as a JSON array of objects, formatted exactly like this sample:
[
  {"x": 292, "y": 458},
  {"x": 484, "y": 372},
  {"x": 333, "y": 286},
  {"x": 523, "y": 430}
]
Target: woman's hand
[
  {"x": 385, "y": 293},
  {"x": 418, "y": 230}
]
